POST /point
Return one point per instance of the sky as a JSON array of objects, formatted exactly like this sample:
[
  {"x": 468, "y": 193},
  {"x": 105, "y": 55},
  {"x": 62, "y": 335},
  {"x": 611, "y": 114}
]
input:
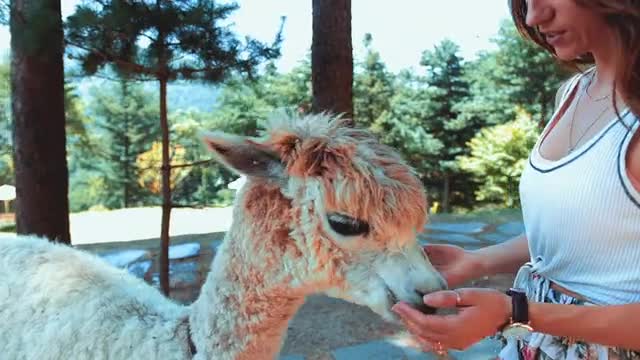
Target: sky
[{"x": 401, "y": 29}]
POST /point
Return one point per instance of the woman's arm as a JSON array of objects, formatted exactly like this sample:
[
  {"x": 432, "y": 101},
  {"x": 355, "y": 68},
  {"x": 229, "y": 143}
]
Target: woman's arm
[
  {"x": 458, "y": 265},
  {"x": 506, "y": 257},
  {"x": 482, "y": 312},
  {"x": 613, "y": 325}
]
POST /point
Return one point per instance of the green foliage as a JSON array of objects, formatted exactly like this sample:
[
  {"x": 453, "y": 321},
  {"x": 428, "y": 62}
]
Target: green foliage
[
  {"x": 86, "y": 190},
  {"x": 164, "y": 41},
  {"x": 75, "y": 127},
  {"x": 184, "y": 39},
  {"x": 8, "y": 228},
  {"x": 75, "y": 118},
  {"x": 125, "y": 123},
  {"x": 532, "y": 76},
  {"x": 6, "y": 160},
  {"x": 447, "y": 87},
  {"x": 405, "y": 126},
  {"x": 373, "y": 87},
  {"x": 435, "y": 118},
  {"x": 519, "y": 73},
  {"x": 201, "y": 185},
  {"x": 498, "y": 157},
  {"x": 243, "y": 105},
  {"x": 291, "y": 90},
  {"x": 5, "y": 9}
]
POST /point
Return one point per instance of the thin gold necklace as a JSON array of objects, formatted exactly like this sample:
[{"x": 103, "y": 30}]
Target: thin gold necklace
[
  {"x": 573, "y": 117},
  {"x": 605, "y": 97}
]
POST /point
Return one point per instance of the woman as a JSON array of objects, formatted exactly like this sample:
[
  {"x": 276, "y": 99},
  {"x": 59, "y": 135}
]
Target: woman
[{"x": 580, "y": 197}]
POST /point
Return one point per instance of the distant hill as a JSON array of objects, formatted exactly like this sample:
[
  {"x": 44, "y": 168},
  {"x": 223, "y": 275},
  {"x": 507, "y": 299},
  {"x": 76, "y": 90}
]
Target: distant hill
[{"x": 181, "y": 95}]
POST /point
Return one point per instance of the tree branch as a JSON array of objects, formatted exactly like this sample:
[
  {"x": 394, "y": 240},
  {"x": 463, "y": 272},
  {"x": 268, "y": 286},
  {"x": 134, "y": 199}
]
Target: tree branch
[
  {"x": 111, "y": 58},
  {"x": 196, "y": 163}
]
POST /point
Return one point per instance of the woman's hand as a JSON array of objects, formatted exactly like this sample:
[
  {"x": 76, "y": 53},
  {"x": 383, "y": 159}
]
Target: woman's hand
[
  {"x": 480, "y": 313},
  {"x": 456, "y": 264}
]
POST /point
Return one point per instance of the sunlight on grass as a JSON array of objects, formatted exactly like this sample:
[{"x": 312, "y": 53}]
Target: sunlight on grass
[{"x": 8, "y": 228}]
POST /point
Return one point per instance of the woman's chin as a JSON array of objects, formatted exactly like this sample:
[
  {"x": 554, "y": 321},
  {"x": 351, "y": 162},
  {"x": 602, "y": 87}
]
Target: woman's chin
[{"x": 565, "y": 54}]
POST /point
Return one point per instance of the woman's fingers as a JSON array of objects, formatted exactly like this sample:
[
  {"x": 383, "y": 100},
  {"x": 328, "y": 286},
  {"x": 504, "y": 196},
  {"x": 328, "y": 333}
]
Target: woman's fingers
[
  {"x": 435, "y": 252},
  {"x": 446, "y": 299},
  {"x": 435, "y": 324}
]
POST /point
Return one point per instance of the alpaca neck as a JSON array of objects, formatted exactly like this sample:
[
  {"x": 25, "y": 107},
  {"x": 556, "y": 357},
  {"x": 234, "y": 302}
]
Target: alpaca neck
[
  {"x": 248, "y": 299},
  {"x": 238, "y": 315}
]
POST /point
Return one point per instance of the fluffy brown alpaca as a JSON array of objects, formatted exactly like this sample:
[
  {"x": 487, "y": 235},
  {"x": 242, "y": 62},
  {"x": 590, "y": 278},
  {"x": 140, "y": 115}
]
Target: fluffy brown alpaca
[{"x": 325, "y": 209}]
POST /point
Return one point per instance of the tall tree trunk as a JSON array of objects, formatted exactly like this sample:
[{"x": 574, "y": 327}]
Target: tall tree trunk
[
  {"x": 127, "y": 172},
  {"x": 37, "y": 100},
  {"x": 166, "y": 166},
  {"x": 543, "y": 114},
  {"x": 446, "y": 193},
  {"x": 166, "y": 191},
  {"x": 332, "y": 57},
  {"x": 126, "y": 158}
]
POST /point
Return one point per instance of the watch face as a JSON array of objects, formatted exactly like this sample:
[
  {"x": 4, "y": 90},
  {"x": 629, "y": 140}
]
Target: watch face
[{"x": 518, "y": 331}]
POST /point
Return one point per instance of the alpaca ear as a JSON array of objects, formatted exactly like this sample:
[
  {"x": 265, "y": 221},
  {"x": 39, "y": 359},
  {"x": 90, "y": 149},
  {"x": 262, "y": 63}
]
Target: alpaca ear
[{"x": 244, "y": 156}]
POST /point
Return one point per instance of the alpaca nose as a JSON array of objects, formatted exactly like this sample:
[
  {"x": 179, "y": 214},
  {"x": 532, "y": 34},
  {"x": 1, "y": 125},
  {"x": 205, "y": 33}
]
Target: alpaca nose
[{"x": 422, "y": 307}]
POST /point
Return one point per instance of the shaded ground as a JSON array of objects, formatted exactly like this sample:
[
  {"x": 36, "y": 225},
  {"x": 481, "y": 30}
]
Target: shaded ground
[{"x": 323, "y": 325}]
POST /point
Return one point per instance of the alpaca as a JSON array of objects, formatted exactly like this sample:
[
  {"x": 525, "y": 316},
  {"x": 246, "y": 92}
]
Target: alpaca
[{"x": 325, "y": 209}]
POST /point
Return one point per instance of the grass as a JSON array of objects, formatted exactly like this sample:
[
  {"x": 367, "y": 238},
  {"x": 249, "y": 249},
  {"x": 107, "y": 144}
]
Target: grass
[{"x": 8, "y": 228}]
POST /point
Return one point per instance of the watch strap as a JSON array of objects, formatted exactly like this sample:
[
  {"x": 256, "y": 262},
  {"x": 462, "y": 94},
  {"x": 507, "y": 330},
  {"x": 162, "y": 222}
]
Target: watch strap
[{"x": 519, "y": 305}]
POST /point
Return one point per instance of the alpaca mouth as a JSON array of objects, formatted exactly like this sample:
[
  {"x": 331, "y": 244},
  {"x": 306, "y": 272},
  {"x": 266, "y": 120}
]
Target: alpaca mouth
[
  {"x": 391, "y": 296},
  {"x": 425, "y": 309},
  {"x": 420, "y": 306}
]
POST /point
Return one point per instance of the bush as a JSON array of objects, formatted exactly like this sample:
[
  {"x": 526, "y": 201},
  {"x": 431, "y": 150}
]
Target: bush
[{"x": 497, "y": 159}]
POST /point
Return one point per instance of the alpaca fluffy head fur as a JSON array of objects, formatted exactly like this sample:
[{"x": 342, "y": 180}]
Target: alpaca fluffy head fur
[{"x": 328, "y": 208}]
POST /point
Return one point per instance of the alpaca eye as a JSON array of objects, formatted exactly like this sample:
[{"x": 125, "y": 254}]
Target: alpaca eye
[{"x": 347, "y": 226}]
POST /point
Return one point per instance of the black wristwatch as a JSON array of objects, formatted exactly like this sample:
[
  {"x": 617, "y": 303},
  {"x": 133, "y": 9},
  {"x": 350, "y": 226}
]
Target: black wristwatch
[{"x": 518, "y": 325}]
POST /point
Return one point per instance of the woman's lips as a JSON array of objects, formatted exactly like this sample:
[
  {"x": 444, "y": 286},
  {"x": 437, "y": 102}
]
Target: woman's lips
[{"x": 555, "y": 38}]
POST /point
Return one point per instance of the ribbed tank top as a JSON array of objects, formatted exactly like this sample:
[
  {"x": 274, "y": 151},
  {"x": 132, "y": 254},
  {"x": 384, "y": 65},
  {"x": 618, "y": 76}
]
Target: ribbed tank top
[{"x": 582, "y": 215}]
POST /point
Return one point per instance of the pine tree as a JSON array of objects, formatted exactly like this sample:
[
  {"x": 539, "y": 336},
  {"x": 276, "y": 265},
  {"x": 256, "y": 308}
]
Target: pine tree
[
  {"x": 125, "y": 117},
  {"x": 529, "y": 74},
  {"x": 517, "y": 74},
  {"x": 406, "y": 125},
  {"x": 185, "y": 39},
  {"x": 373, "y": 89},
  {"x": 447, "y": 88},
  {"x": 6, "y": 161}
]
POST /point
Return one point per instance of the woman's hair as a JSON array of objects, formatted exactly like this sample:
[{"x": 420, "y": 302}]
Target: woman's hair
[{"x": 623, "y": 16}]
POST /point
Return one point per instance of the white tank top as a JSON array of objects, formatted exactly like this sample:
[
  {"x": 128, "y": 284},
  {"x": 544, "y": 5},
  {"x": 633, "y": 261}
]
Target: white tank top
[{"x": 582, "y": 215}]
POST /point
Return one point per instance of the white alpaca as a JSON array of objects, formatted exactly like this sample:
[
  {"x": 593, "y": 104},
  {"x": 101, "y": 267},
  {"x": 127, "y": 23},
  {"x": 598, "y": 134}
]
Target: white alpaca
[{"x": 326, "y": 209}]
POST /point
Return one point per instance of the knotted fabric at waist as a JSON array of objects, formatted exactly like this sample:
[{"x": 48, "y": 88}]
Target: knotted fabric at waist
[{"x": 537, "y": 286}]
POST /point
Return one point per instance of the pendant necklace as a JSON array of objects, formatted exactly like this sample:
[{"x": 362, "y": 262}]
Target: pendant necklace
[{"x": 573, "y": 118}]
